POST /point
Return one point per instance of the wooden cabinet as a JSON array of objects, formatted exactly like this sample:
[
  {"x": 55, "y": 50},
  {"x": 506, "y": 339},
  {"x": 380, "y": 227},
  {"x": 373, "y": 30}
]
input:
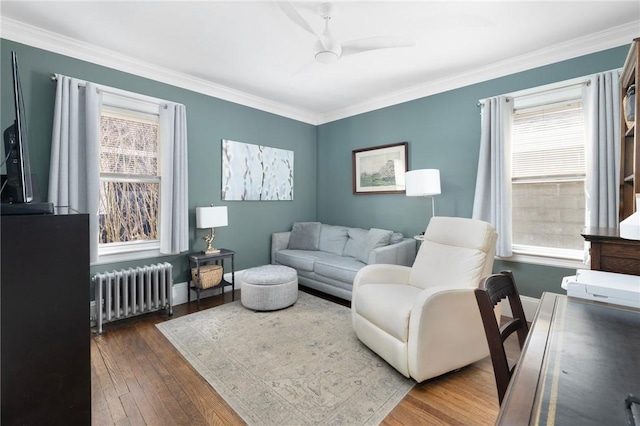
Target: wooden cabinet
[
  {"x": 630, "y": 151},
  {"x": 45, "y": 332},
  {"x": 611, "y": 253}
]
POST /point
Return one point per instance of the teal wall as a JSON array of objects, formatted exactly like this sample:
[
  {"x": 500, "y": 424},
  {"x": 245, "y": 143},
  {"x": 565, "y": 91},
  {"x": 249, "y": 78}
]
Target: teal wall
[
  {"x": 209, "y": 121},
  {"x": 443, "y": 132}
]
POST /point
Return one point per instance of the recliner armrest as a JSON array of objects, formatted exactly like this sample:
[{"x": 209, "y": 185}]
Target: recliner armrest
[
  {"x": 379, "y": 274},
  {"x": 279, "y": 241},
  {"x": 448, "y": 332},
  {"x": 382, "y": 274}
]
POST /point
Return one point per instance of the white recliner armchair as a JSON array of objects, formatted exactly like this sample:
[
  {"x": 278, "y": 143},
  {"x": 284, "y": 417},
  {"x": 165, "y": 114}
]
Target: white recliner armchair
[{"x": 424, "y": 319}]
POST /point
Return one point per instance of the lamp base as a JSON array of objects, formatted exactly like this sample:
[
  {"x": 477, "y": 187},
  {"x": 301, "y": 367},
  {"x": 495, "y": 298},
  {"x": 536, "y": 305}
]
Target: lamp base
[{"x": 209, "y": 239}]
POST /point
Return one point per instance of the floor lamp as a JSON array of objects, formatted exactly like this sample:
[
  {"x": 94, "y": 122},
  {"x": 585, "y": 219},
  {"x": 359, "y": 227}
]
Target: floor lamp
[{"x": 423, "y": 183}]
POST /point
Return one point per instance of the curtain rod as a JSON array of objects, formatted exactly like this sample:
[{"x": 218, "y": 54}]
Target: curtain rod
[
  {"x": 120, "y": 92},
  {"x": 586, "y": 80}
]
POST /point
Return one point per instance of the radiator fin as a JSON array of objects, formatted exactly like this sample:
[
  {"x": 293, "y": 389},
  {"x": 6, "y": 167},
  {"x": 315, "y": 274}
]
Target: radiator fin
[{"x": 128, "y": 292}]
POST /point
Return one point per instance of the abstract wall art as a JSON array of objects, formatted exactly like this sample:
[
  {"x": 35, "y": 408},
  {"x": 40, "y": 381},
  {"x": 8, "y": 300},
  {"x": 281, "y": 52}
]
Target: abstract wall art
[{"x": 256, "y": 172}]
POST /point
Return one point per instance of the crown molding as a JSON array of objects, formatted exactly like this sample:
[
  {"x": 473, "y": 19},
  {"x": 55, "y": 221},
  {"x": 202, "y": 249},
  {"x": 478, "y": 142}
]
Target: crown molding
[
  {"x": 53, "y": 42},
  {"x": 36, "y": 37},
  {"x": 592, "y": 43}
]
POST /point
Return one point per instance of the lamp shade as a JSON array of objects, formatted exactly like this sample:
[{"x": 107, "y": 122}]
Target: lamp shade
[
  {"x": 421, "y": 183},
  {"x": 211, "y": 217}
]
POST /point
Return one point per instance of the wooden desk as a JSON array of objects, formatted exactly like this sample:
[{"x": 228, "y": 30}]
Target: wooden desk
[{"x": 579, "y": 363}]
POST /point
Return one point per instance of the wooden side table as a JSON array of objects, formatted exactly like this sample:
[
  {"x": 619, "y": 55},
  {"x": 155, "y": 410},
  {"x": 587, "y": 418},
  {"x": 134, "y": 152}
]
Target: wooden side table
[{"x": 197, "y": 259}]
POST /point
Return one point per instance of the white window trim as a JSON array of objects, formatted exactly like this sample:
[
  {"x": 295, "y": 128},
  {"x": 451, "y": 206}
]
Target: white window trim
[
  {"x": 109, "y": 253},
  {"x": 568, "y": 91},
  {"x": 559, "y": 258},
  {"x": 144, "y": 108}
]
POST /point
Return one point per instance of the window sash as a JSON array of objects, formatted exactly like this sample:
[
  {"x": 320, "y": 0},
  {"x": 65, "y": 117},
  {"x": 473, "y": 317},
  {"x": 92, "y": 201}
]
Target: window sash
[
  {"x": 548, "y": 146},
  {"x": 145, "y": 111}
]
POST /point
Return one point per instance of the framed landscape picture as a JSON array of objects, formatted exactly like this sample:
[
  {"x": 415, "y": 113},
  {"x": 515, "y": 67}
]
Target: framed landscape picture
[{"x": 380, "y": 169}]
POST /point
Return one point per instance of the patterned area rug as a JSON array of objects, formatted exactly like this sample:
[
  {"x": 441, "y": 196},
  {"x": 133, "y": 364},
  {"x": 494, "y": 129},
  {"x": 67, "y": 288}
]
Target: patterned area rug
[{"x": 299, "y": 366}]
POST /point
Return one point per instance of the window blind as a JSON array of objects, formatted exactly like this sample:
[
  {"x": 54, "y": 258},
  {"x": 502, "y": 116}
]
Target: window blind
[{"x": 548, "y": 144}]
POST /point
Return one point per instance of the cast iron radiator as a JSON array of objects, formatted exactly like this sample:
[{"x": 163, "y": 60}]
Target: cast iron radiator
[{"x": 128, "y": 292}]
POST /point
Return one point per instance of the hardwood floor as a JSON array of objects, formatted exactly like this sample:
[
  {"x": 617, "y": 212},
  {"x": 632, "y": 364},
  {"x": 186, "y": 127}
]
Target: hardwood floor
[{"x": 139, "y": 378}]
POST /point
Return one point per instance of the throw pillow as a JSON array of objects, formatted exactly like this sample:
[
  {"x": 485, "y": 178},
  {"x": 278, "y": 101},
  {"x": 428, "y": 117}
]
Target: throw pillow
[
  {"x": 396, "y": 237},
  {"x": 376, "y": 238},
  {"x": 356, "y": 243},
  {"x": 305, "y": 236},
  {"x": 333, "y": 238},
  {"x": 361, "y": 242}
]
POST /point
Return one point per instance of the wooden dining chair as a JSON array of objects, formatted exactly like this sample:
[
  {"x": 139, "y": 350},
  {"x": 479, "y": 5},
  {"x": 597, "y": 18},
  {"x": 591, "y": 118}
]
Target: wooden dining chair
[{"x": 491, "y": 291}]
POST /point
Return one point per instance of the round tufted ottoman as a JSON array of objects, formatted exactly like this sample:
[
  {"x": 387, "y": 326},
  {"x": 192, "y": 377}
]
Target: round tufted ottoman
[{"x": 269, "y": 287}]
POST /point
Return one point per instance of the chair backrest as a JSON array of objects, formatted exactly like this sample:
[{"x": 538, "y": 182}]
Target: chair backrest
[
  {"x": 492, "y": 290},
  {"x": 456, "y": 251}
]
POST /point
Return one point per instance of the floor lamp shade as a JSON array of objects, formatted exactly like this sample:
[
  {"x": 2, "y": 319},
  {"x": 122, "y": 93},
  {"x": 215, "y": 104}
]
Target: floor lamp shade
[{"x": 422, "y": 183}]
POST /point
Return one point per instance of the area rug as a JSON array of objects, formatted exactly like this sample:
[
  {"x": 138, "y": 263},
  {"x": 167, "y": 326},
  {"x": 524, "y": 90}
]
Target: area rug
[{"x": 298, "y": 366}]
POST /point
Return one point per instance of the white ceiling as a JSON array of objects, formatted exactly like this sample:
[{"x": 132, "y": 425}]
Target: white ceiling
[{"x": 250, "y": 52}]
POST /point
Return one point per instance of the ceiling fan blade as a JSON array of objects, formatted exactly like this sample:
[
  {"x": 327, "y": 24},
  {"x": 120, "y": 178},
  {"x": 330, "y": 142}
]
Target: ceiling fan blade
[
  {"x": 297, "y": 19},
  {"x": 373, "y": 43}
]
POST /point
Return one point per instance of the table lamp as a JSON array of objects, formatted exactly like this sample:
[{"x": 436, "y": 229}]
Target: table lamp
[
  {"x": 423, "y": 183},
  {"x": 211, "y": 217}
]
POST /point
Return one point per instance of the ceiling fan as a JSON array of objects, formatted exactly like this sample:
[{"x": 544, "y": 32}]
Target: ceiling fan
[{"x": 327, "y": 48}]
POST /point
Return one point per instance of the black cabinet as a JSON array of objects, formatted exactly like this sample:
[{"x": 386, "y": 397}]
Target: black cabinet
[{"x": 44, "y": 325}]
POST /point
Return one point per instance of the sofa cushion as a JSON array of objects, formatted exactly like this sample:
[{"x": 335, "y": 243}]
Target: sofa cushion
[
  {"x": 301, "y": 259},
  {"x": 305, "y": 236},
  {"x": 338, "y": 268},
  {"x": 333, "y": 238}
]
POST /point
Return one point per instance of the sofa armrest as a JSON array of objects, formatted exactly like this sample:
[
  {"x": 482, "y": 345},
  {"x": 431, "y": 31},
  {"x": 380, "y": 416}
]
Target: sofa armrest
[
  {"x": 402, "y": 253},
  {"x": 279, "y": 241}
]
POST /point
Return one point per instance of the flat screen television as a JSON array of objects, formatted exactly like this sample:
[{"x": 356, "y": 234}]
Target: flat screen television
[{"x": 17, "y": 188}]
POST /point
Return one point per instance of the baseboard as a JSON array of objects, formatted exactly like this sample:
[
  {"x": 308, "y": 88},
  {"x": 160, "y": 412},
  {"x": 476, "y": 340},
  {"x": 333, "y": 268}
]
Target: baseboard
[
  {"x": 180, "y": 293},
  {"x": 529, "y": 305}
]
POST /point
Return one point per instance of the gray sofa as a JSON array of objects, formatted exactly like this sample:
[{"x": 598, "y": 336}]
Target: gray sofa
[{"x": 327, "y": 257}]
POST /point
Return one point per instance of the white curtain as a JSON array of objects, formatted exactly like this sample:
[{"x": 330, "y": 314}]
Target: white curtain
[
  {"x": 74, "y": 178},
  {"x": 492, "y": 201},
  {"x": 174, "y": 209},
  {"x": 601, "y": 104}
]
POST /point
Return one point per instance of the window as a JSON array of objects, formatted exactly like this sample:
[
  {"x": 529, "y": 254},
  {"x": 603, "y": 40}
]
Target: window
[
  {"x": 549, "y": 165},
  {"x": 122, "y": 158},
  {"x": 548, "y": 173},
  {"x": 130, "y": 178}
]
